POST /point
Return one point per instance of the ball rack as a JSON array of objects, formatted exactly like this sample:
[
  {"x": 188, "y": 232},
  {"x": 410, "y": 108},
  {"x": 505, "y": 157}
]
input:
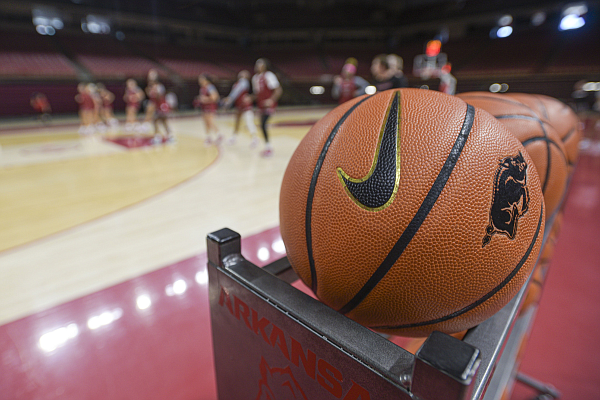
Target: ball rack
[{"x": 271, "y": 341}]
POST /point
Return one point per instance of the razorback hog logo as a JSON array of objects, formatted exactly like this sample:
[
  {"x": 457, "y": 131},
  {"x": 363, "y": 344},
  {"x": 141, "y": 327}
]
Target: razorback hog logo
[
  {"x": 279, "y": 383},
  {"x": 511, "y": 197},
  {"x": 278, "y": 378}
]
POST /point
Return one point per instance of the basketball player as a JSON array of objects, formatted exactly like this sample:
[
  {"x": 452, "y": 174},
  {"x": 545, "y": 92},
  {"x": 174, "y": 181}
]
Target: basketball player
[
  {"x": 156, "y": 91},
  {"x": 209, "y": 101},
  {"x": 396, "y": 65},
  {"x": 267, "y": 91},
  {"x": 86, "y": 109},
  {"x": 386, "y": 77},
  {"x": 40, "y": 104},
  {"x": 240, "y": 97},
  {"x": 351, "y": 60},
  {"x": 92, "y": 89},
  {"x": 133, "y": 98},
  {"x": 447, "y": 80},
  {"x": 348, "y": 86},
  {"x": 151, "y": 104},
  {"x": 106, "y": 112}
]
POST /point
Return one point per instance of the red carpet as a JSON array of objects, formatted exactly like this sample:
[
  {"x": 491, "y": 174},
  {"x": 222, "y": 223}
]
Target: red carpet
[{"x": 564, "y": 345}]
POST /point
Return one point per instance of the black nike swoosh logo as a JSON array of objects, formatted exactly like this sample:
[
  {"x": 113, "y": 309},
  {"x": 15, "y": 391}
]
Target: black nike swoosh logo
[{"x": 376, "y": 190}]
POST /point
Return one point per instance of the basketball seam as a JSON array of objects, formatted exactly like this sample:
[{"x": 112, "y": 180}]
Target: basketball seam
[
  {"x": 411, "y": 230},
  {"x": 539, "y": 121},
  {"x": 568, "y": 135},
  {"x": 311, "y": 191},
  {"x": 543, "y": 107},
  {"x": 535, "y": 139},
  {"x": 487, "y": 296},
  {"x": 489, "y": 98}
]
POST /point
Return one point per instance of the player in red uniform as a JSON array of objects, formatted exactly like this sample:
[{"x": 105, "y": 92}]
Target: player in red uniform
[
  {"x": 447, "y": 80},
  {"x": 267, "y": 91},
  {"x": 208, "y": 99},
  {"x": 106, "y": 111},
  {"x": 151, "y": 104},
  {"x": 240, "y": 97},
  {"x": 348, "y": 86},
  {"x": 40, "y": 104},
  {"x": 157, "y": 92},
  {"x": 86, "y": 108},
  {"x": 96, "y": 119},
  {"x": 133, "y": 98}
]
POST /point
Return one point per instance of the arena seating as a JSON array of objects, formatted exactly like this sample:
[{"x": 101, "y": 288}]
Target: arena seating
[
  {"x": 186, "y": 61},
  {"x": 116, "y": 67},
  {"x": 32, "y": 55},
  {"x": 107, "y": 57},
  {"x": 577, "y": 53},
  {"x": 190, "y": 69},
  {"x": 234, "y": 59},
  {"x": 303, "y": 64},
  {"x": 29, "y": 64},
  {"x": 462, "y": 51},
  {"x": 557, "y": 57},
  {"x": 495, "y": 56}
]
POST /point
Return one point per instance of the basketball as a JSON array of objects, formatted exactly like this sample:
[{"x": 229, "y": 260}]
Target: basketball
[
  {"x": 410, "y": 211},
  {"x": 537, "y": 135},
  {"x": 534, "y": 291},
  {"x": 562, "y": 118}
]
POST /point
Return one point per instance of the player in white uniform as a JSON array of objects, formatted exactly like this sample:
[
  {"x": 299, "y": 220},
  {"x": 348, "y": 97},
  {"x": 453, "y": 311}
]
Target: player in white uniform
[
  {"x": 267, "y": 91},
  {"x": 241, "y": 98}
]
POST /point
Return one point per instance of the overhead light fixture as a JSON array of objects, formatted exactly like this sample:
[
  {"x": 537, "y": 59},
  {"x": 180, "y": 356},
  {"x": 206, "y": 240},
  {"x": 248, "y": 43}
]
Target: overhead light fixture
[
  {"x": 317, "y": 90},
  {"x": 495, "y": 87},
  {"x": 47, "y": 20},
  {"x": 576, "y": 9},
  {"x": 95, "y": 24},
  {"x": 571, "y": 21},
  {"x": 538, "y": 18},
  {"x": 572, "y": 17},
  {"x": 505, "y": 20},
  {"x": 501, "y": 32}
]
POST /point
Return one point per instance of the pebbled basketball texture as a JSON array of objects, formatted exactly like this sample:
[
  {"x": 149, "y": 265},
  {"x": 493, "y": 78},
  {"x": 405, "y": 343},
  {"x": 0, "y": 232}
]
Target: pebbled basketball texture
[
  {"x": 404, "y": 235},
  {"x": 562, "y": 118},
  {"x": 537, "y": 135}
]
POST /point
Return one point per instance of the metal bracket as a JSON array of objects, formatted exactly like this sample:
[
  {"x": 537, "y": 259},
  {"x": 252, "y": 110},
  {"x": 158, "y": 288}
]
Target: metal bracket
[{"x": 270, "y": 339}]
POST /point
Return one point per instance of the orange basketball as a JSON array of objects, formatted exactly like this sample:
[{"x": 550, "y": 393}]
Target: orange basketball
[
  {"x": 539, "y": 138},
  {"x": 562, "y": 118},
  {"x": 534, "y": 291},
  {"x": 410, "y": 211}
]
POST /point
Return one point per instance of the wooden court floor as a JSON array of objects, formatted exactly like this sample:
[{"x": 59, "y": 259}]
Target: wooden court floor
[{"x": 79, "y": 214}]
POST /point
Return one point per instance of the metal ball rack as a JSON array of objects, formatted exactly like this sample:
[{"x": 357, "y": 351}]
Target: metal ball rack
[{"x": 271, "y": 341}]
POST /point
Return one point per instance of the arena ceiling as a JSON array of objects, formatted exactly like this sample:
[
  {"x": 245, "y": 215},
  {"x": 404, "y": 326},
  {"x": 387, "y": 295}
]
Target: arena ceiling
[
  {"x": 302, "y": 14},
  {"x": 292, "y": 22}
]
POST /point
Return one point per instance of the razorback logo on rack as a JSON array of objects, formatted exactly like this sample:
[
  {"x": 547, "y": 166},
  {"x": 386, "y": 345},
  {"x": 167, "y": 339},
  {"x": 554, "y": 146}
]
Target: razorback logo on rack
[
  {"x": 276, "y": 379},
  {"x": 328, "y": 377}
]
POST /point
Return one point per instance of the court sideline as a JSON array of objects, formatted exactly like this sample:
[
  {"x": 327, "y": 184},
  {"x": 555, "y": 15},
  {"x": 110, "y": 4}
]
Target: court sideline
[{"x": 187, "y": 190}]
